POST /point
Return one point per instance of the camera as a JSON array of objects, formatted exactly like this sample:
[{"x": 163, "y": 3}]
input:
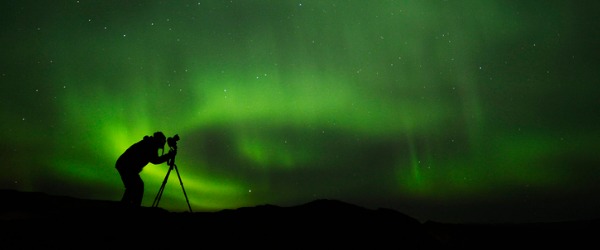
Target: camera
[{"x": 172, "y": 141}]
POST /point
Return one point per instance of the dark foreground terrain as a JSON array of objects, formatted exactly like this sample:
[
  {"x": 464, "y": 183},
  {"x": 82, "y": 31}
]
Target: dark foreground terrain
[{"x": 37, "y": 220}]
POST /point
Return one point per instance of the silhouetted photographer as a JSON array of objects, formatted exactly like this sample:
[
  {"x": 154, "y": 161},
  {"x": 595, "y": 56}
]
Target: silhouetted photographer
[{"x": 135, "y": 158}]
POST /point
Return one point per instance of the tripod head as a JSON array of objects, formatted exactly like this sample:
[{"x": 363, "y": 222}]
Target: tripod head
[{"x": 172, "y": 141}]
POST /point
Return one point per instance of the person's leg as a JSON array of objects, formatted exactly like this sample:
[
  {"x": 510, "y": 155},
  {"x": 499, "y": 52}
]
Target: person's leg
[
  {"x": 137, "y": 190},
  {"x": 129, "y": 181},
  {"x": 126, "y": 197}
]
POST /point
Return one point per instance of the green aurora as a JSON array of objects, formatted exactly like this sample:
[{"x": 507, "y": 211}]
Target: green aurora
[{"x": 443, "y": 110}]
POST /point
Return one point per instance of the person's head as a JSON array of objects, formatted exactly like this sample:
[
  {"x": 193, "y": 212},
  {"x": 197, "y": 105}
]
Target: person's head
[{"x": 160, "y": 139}]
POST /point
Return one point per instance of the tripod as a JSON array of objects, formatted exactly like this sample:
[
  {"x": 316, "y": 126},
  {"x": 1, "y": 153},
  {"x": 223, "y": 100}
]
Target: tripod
[{"x": 172, "y": 166}]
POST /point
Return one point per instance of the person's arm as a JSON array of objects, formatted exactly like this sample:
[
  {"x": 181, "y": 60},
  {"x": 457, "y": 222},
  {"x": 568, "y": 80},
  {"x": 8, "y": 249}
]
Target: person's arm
[{"x": 163, "y": 158}]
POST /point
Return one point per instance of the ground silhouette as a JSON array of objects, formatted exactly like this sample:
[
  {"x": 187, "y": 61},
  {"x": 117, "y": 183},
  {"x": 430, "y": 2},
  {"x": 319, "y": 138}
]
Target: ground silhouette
[{"x": 40, "y": 220}]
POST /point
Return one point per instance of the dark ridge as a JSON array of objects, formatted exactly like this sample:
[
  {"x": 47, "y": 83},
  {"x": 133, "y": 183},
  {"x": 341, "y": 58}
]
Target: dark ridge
[
  {"x": 328, "y": 204},
  {"x": 39, "y": 220}
]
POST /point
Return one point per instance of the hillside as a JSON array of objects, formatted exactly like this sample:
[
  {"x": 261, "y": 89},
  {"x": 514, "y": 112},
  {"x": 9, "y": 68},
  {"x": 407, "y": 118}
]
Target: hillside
[{"x": 35, "y": 220}]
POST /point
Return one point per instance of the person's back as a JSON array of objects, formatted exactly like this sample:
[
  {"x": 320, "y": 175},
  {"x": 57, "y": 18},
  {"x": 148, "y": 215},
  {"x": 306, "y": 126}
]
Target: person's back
[{"x": 136, "y": 157}]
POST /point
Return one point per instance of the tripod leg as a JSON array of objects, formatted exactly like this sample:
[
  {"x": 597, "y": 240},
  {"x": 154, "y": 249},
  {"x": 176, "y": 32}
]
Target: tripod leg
[
  {"x": 162, "y": 188},
  {"x": 181, "y": 183}
]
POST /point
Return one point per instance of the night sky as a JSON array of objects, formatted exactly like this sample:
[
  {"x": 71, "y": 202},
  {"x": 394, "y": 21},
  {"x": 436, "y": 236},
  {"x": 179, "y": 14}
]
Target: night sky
[{"x": 455, "y": 111}]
